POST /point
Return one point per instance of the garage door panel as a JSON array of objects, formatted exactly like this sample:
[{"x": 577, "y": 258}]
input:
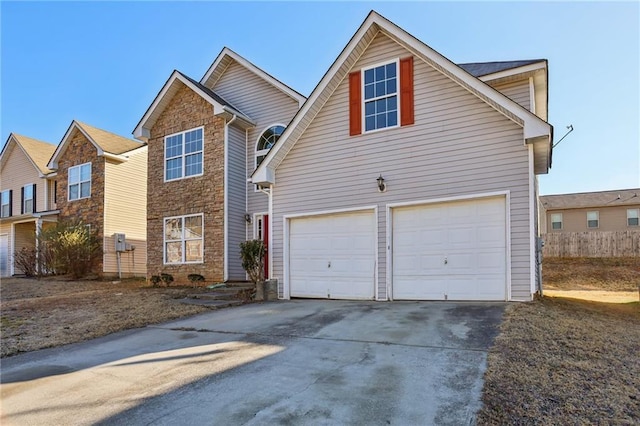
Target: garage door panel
[
  {"x": 470, "y": 236},
  {"x": 332, "y": 256}
]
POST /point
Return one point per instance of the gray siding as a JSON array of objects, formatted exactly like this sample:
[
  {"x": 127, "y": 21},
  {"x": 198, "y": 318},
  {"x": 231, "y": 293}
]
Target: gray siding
[
  {"x": 236, "y": 201},
  {"x": 518, "y": 91},
  {"x": 458, "y": 146},
  {"x": 266, "y": 105}
]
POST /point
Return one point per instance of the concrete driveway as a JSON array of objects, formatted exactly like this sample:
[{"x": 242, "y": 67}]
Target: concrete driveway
[{"x": 298, "y": 362}]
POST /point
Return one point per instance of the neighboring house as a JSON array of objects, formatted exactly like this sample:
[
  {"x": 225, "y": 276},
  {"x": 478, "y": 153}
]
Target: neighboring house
[
  {"x": 617, "y": 210},
  {"x": 205, "y": 139},
  {"x": 27, "y": 197},
  {"x": 406, "y": 176},
  {"x": 102, "y": 181}
]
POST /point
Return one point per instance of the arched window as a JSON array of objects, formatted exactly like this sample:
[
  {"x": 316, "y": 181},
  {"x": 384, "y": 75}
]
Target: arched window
[{"x": 266, "y": 140}]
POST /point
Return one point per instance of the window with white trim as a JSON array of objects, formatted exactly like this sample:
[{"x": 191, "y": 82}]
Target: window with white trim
[
  {"x": 267, "y": 139},
  {"x": 79, "y": 185},
  {"x": 380, "y": 96},
  {"x": 633, "y": 217},
  {"x": 183, "y": 239},
  {"x": 183, "y": 154},
  {"x": 556, "y": 221},
  {"x": 5, "y": 203},
  {"x": 27, "y": 199},
  {"x": 593, "y": 219}
]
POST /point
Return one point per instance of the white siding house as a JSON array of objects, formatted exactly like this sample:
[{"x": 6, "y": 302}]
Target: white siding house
[{"x": 403, "y": 176}]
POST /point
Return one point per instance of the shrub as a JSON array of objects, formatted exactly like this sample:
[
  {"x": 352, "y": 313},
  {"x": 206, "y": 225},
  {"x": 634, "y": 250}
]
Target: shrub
[
  {"x": 252, "y": 253},
  {"x": 166, "y": 279},
  {"x": 195, "y": 279},
  {"x": 27, "y": 260},
  {"x": 155, "y": 280}
]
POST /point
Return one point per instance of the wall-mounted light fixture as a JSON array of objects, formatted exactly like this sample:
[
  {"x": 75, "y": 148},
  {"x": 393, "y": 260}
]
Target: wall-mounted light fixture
[
  {"x": 381, "y": 185},
  {"x": 247, "y": 217}
]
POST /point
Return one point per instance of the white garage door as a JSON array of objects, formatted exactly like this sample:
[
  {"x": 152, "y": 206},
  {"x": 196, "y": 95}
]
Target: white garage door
[
  {"x": 4, "y": 255},
  {"x": 332, "y": 256},
  {"x": 450, "y": 251}
]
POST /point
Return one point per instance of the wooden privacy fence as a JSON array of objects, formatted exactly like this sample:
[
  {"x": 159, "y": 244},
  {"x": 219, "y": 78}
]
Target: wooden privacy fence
[{"x": 592, "y": 244}]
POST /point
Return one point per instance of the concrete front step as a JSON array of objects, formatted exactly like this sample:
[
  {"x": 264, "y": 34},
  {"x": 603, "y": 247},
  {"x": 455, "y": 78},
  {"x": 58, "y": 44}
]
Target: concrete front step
[{"x": 215, "y": 295}]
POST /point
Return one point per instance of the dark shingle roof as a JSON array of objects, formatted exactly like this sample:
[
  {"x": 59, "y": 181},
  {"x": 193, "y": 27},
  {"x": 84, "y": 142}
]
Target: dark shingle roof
[
  {"x": 479, "y": 69},
  {"x": 620, "y": 197},
  {"x": 208, "y": 91}
]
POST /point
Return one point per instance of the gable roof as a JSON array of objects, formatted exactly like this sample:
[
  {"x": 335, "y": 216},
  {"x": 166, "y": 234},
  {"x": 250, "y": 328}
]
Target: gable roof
[
  {"x": 536, "y": 131},
  {"x": 620, "y": 197},
  {"x": 37, "y": 151},
  {"x": 168, "y": 91},
  {"x": 479, "y": 69},
  {"x": 227, "y": 56},
  {"x": 106, "y": 143}
]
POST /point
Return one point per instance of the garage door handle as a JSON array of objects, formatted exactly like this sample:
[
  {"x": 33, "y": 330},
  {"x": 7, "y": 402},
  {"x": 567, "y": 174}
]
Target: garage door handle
[
  {"x": 329, "y": 265},
  {"x": 445, "y": 261}
]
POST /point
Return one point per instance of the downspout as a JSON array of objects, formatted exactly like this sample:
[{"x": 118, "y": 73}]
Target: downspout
[
  {"x": 226, "y": 198},
  {"x": 269, "y": 193}
]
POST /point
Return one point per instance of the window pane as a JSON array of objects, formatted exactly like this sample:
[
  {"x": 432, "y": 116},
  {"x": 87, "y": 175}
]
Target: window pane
[
  {"x": 5, "y": 210},
  {"x": 73, "y": 175},
  {"x": 28, "y": 192},
  {"x": 193, "y": 227},
  {"x": 392, "y": 118},
  {"x": 174, "y": 168},
  {"x": 381, "y": 106},
  {"x": 592, "y": 215},
  {"x": 193, "y": 142},
  {"x": 193, "y": 165},
  {"x": 556, "y": 225},
  {"x": 391, "y": 70},
  {"x": 73, "y": 192},
  {"x": 259, "y": 159},
  {"x": 368, "y": 76},
  {"x": 173, "y": 146},
  {"x": 592, "y": 224},
  {"x": 392, "y": 103},
  {"x": 85, "y": 172},
  {"x": 368, "y": 91},
  {"x": 5, "y": 197},
  {"x": 370, "y": 123},
  {"x": 173, "y": 252},
  {"x": 85, "y": 189},
  {"x": 28, "y": 206},
  {"x": 173, "y": 229},
  {"x": 633, "y": 213},
  {"x": 391, "y": 86},
  {"x": 193, "y": 251},
  {"x": 381, "y": 121},
  {"x": 380, "y": 74},
  {"x": 380, "y": 89},
  {"x": 369, "y": 108},
  {"x": 633, "y": 221}
]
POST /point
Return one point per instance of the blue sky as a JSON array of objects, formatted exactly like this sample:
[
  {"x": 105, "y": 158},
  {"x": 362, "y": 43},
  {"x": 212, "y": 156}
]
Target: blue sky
[{"x": 104, "y": 62}]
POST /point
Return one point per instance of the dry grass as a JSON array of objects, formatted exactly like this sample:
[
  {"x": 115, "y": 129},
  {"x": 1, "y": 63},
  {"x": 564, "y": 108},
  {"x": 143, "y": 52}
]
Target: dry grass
[
  {"x": 562, "y": 361},
  {"x": 40, "y": 314},
  {"x": 568, "y": 361},
  {"x": 611, "y": 274}
]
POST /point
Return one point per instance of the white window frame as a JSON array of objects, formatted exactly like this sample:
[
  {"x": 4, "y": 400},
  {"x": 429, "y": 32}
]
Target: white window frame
[
  {"x": 182, "y": 239},
  {"x": 7, "y": 204},
  {"x": 183, "y": 155},
  {"x": 258, "y": 226},
  {"x": 597, "y": 219},
  {"x": 364, "y": 100},
  {"x": 637, "y": 217},
  {"x": 79, "y": 182},
  {"x": 261, "y": 152},
  {"x": 560, "y": 222},
  {"x": 25, "y": 199}
]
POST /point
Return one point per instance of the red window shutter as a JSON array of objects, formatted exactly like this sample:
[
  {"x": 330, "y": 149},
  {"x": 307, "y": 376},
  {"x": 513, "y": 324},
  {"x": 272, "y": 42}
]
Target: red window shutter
[
  {"x": 406, "y": 91},
  {"x": 355, "y": 104}
]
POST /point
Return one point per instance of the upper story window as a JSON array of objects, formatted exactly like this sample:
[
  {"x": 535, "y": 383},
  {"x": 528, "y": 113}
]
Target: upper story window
[
  {"x": 79, "y": 182},
  {"x": 28, "y": 198},
  {"x": 633, "y": 217},
  {"x": 183, "y": 239},
  {"x": 593, "y": 219},
  {"x": 267, "y": 139},
  {"x": 556, "y": 221},
  {"x": 381, "y": 96},
  {"x": 5, "y": 203},
  {"x": 183, "y": 154}
]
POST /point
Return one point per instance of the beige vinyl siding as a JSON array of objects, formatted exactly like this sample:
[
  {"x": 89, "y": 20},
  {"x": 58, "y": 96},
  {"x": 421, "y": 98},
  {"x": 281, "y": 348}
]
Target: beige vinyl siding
[
  {"x": 125, "y": 211},
  {"x": 18, "y": 172},
  {"x": 610, "y": 219},
  {"x": 265, "y": 105},
  {"x": 517, "y": 91},
  {"x": 459, "y": 146},
  {"x": 236, "y": 201}
]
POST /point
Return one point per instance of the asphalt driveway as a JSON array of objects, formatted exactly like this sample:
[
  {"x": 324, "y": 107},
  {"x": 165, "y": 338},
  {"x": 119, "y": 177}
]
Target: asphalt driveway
[{"x": 298, "y": 362}]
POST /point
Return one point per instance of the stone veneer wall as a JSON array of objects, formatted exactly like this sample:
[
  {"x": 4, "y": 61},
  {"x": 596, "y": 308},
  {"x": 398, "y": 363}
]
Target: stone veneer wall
[
  {"x": 90, "y": 210},
  {"x": 202, "y": 194}
]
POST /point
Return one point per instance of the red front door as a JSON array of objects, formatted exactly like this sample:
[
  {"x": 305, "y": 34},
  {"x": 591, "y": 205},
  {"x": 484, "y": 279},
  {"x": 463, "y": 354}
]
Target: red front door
[{"x": 265, "y": 240}]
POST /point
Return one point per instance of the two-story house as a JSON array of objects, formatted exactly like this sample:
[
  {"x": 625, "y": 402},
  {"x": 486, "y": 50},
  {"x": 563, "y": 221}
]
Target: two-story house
[
  {"x": 615, "y": 210},
  {"x": 101, "y": 179},
  {"x": 27, "y": 197},
  {"x": 205, "y": 138},
  {"x": 406, "y": 176}
]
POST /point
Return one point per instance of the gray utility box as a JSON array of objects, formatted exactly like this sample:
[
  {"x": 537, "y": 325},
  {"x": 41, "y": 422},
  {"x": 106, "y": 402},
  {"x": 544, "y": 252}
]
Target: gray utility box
[{"x": 121, "y": 242}]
